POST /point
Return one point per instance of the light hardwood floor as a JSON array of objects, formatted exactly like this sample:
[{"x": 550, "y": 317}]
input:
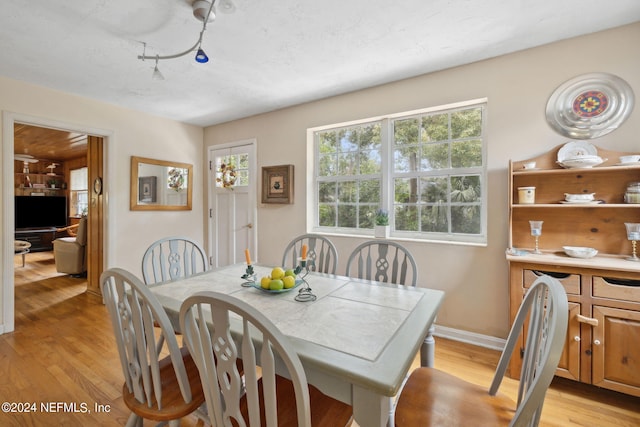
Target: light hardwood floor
[{"x": 63, "y": 353}]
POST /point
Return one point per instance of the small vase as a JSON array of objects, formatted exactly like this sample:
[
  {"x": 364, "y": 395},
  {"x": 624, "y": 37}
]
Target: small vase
[{"x": 381, "y": 231}]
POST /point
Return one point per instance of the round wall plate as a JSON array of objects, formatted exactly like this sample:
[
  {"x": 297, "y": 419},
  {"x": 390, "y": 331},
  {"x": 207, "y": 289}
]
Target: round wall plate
[
  {"x": 590, "y": 105},
  {"x": 97, "y": 186}
]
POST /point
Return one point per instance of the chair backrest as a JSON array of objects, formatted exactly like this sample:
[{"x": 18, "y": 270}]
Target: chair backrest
[
  {"x": 544, "y": 313},
  {"x": 211, "y": 323},
  {"x": 322, "y": 255},
  {"x": 172, "y": 258},
  {"x": 383, "y": 261},
  {"x": 81, "y": 233},
  {"x": 134, "y": 310}
]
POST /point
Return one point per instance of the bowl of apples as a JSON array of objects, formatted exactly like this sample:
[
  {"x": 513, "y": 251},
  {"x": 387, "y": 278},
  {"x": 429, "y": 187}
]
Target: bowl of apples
[{"x": 280, "y": 280}]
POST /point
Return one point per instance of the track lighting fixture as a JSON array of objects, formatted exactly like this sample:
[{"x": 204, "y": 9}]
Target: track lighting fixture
[{"x": 203, "y": 11}]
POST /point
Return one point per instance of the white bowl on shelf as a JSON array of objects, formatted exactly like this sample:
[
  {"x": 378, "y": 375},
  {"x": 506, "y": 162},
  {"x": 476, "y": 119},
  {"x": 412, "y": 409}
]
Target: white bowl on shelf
[
  {"x": 580, "y": 251},
  {"x": 635, "y": 158},
  {"x": 581, "y": 162},
  {"x": 582, "y": 197}
]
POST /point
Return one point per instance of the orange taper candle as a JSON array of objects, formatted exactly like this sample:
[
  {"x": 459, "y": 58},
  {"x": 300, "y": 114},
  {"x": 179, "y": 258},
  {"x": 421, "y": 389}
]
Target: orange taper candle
[
  {"x": 304, "y": 253},
  {"x": 247, "y": 256}
]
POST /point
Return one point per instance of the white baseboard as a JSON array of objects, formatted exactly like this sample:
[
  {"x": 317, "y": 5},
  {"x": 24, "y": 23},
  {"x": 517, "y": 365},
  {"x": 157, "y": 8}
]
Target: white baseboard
[{"x": 470, "y": 338}]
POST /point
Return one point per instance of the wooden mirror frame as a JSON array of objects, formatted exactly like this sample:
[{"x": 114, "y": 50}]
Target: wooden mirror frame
[{"x": 135, "y": 205}]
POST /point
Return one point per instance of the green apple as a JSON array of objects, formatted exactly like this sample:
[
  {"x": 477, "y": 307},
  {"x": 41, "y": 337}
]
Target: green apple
[
  {"x": 276, "y": 284},
  {"x": 290, "y": 272}
]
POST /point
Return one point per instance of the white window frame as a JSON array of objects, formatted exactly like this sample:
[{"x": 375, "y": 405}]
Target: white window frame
[
  {"x": 388, "y": 174},
  {"x": 75, "y": 193}
]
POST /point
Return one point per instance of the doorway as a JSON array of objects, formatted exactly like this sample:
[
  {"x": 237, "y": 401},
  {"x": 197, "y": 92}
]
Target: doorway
[
  {"x": 232, "y": 202},
  {"x": 93, "y": 144}
]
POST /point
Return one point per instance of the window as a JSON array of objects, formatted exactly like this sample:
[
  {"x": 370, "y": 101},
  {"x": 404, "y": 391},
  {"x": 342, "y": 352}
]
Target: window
[
  {"x": 426, "y": 168},
  {"x": 79, "y": 194},
  {"x": 232, "y": 170}
]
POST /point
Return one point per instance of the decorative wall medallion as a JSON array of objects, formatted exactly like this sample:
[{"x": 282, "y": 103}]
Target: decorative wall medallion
[{"x": 590, "y": 106}]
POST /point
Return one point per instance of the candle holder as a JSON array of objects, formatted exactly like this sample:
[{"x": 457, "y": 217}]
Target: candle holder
[
  {"x": 304, "y": 294},
  {"x": 536, "y": 232},
  {"x": 633, "y": 234},
  {"x": 249, "y": 276}
]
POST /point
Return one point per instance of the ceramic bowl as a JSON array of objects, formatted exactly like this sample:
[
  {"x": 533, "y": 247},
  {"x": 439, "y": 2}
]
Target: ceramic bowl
[
  {"x": 582, "y": 162},
  {"x": 579, "y": 251},
  {"x": 583, "y": 197},
  {"x": 630, "y": 159},
  {"x": 529, "y": 165}
]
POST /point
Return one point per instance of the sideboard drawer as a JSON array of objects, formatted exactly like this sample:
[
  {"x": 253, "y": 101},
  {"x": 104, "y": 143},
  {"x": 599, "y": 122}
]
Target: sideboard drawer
[
  {"x": 616, "y": 288},
  {"x": 571, "y": 282}
]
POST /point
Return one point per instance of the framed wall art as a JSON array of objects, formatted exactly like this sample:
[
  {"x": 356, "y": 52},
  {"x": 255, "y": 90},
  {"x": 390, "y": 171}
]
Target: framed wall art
[
  {"x": 277, "y": 184},
  {"x": 147, "y": 189}
]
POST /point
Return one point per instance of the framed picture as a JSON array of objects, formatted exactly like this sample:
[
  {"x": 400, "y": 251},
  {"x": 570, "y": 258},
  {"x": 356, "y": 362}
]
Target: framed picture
[
  {"x": 147, "y": 189},
  {"x": 277, "y": 184}
]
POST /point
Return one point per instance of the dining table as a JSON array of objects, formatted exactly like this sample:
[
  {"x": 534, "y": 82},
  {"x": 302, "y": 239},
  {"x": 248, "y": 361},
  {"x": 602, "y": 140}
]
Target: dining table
[{"x": 356, "y": 340}]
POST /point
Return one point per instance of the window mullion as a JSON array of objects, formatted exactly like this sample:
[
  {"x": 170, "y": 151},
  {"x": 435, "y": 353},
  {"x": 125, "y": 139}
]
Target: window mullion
[{"x": 386, "y": 180}]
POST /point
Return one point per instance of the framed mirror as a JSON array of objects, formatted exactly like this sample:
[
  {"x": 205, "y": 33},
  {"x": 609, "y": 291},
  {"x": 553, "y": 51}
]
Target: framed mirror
[{"x": 160, "y": 185}]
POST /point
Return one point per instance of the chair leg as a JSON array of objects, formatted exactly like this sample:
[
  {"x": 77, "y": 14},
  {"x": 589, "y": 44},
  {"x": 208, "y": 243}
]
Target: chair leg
[
  {"x": 134, "y": 421},
  {"x": 202, "y": 414}
]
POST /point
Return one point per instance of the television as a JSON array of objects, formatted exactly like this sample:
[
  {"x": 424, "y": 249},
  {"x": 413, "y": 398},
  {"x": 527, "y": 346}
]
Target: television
[{"x": 40, "y": 212}]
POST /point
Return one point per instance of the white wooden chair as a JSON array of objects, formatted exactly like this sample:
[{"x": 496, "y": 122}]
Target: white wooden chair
[
  {"x": 322, "y": 255},
  {"x": 435, "y": 398},
  {"x": 383, "y": 261},
  {"x": 157, "y": 389},
  {"x": 172, "y": 258},
  {"x": 206, "y": 320},
  {"x": 389, "y": 262}
]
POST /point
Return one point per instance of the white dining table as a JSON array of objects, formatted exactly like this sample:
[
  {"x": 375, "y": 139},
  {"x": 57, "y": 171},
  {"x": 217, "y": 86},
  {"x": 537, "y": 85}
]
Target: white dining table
[{"x": 356, "y": 341}]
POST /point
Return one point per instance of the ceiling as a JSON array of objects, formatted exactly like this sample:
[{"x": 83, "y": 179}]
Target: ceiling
[
  {"x": 271, "y": 54},
  {"x": 50, "y": 144}
]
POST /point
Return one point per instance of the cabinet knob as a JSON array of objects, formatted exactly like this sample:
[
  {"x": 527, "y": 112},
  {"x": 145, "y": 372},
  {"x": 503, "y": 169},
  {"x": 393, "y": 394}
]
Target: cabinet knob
[
  {"x": 576, "y": 338},
  {"x": 596, "y": 342}
]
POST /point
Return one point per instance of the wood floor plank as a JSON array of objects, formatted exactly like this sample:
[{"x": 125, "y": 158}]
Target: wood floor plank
[{"x": 63, "y": 350}]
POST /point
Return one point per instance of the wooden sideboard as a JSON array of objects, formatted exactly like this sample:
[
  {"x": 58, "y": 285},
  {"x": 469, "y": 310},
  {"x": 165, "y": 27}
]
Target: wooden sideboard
[{"x": 604, "y": 291}]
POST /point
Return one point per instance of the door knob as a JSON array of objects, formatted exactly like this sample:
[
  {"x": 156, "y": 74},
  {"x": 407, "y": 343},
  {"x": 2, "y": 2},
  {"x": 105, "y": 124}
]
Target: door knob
[{"x": 250, "y": 225}]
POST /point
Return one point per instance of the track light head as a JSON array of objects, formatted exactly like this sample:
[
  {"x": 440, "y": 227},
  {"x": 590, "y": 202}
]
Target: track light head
[
  {"x": 201, "y": 57},
  {"x": 157, "y": 75}
]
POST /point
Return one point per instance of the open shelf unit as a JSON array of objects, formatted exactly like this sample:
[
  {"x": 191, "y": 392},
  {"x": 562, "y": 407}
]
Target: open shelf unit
[
  {"x": 600, "y": 226},
  {"x": 38, "y": 179}
]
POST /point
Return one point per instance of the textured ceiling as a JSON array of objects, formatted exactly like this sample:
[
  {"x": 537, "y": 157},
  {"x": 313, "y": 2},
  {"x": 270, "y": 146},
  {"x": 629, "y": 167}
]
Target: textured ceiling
[{"x": 271, "y": 54}]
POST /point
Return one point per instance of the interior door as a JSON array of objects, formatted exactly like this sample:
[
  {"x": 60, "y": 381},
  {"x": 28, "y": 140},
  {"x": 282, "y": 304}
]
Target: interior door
[{"x": 232, "y": 206}]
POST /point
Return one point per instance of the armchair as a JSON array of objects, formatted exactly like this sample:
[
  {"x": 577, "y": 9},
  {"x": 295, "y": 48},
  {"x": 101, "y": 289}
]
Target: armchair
[{"x": 70, "y": 252}]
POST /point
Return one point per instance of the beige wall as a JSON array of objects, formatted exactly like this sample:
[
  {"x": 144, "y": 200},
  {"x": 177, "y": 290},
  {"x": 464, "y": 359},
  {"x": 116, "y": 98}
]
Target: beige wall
[
  {"x": 517, "y": 87},
  {"x": 129, "y": 133}
]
